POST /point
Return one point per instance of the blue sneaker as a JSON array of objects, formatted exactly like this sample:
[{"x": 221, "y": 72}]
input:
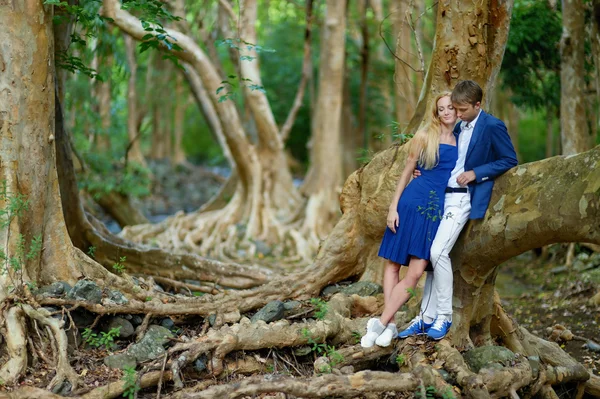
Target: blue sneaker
[
  {"x": 417, "y": 327},
  {"x": 440, "y": 328}
]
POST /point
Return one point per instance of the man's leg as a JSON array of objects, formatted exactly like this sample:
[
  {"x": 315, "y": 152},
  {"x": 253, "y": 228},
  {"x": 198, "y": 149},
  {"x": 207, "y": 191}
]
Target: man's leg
[
  {"x": 457, "y": 208},
  {"x": 429, "y": 301}
]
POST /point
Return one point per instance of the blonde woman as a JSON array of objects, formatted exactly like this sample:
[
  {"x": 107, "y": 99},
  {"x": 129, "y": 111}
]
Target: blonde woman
[{"x": 414, "y": 215}]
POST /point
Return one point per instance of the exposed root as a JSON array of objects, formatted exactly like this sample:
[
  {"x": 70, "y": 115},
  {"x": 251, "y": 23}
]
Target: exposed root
[
  {"x": 346, "y": 386},
  {"x": 64, "y": 371},
  {"x": 455, "y": 364},
  {"x": 14, "y": 336},
  {"x": 116, "y": 389}
]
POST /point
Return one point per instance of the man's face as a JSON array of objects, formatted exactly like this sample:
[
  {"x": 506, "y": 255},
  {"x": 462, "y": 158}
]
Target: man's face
[{"x": 467, "y": 112}]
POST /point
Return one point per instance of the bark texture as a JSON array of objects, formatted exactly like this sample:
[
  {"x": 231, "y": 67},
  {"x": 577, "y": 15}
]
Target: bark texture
[
  {"x": 324, "y": 177},
  {"x": 573, "y": 122}
]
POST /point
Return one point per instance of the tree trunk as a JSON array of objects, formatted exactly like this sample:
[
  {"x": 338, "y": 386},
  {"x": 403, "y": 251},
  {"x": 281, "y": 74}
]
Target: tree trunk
[
  {"x": 324, "y": 177},
  {"x": 378, "y": 133},
  {"x": 469, "y": 44},
  {"x": 104, "y": 108},
  {"x": 266, "y": 198},
  {"x": 404, "y": 78},
  {"x": 549, "y": 133},
  {"x": 350, "y": 138},
  {"x": 134, "y": 152},
  {"x": 573, "y": 122},
  {"x": 364, "y": 73},
  {"x": 27, "y": 149},
  {"x": 180, "y": 106}
]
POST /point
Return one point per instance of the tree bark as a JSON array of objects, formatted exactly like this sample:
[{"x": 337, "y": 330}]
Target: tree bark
[
  {"x": 104, "y": 107},
  {"x": 179, "y": 117},
  {"x": 266, "y": 197},
  {"x": 404, "y": 77},
  {"x": 135, "y": 152},
  {"x": 573, "y": 122},
  {"x": 469, "y": 44},
  {"x": 324, "y": 177}
]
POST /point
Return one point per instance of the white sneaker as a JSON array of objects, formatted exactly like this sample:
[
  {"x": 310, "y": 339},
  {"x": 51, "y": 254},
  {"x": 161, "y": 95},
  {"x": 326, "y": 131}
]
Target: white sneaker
[
  {"x": 374, "y": 330},
  {"x": 385, "y": 339}
]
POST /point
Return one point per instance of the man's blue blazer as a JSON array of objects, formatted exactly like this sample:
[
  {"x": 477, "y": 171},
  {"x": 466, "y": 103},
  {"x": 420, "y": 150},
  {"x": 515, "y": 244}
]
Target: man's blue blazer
[{"x": 490, "y": 154}]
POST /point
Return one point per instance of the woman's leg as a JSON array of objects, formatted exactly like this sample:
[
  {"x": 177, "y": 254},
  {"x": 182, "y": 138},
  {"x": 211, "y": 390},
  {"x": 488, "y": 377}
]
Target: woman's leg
[
  {"x": 400, "y": 293},
  {"x": 390, "y": 278}
]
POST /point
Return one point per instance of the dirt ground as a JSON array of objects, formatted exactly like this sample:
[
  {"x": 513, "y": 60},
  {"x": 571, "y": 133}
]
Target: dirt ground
[{"x": 540, "y": 294}]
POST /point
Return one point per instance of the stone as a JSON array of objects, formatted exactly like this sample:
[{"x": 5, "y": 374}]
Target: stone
[
  {"x": 85, "y": 290},
  {"x": 212, "y": 320},
  {"x": 363, "y": 288},
  {"x": 117, "y": 297},
  {"x": 167, "y": 323},
  {"x": 151, "y": 345},
  {"x": 302, "y": 351},
  {"x": 126, "y": 328},
  {"x": 488, "y": 357},
  {"x": 272, "y": 311},
  {"x": 534, "y": 362},
  {"x": 347, "y": 370},
  {"x": 292, "y": 305},
  {"x": 82, "y": 318},
  {"x": 54, "y": 290},
  {"x": 447, "y": 376},
  {"x": 330, "y": 290},
  {"x": 120, "y": 361},
  {"x": 201, "y": 363},
  {"x": 136, "y": 320}
]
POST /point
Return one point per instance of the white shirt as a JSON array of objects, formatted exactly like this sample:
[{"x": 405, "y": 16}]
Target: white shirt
[{"x": 464, "y": 138}]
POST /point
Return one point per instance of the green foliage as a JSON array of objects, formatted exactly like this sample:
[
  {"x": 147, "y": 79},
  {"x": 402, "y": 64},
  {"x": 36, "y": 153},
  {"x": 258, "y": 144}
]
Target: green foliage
[
  {"x": 16, "y": 206},
  {"x": 400, "y": 360},
  {"x": 432, "y": 211},
  {"x": 105, "y": 339},
  {"x": 320, "y": 307},
  {"x": 316, "y": 346},
  {"x": 531, "y": 64},
  {"x": 131, "y": 386},
  {"x": 119, "y": 266},
  {"x": 333, "y": 356},
  {"x": 92, "y": 251},
  {"x": 106, "y": 174},
  {"x": 429, "y": 393},
  {"x": 356, "y": 335},
  {"x": 411, "y": 292}
]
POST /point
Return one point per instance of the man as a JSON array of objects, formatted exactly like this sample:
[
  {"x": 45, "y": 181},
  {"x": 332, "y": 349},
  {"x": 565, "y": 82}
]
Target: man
[{"x": 484, "y": 153}]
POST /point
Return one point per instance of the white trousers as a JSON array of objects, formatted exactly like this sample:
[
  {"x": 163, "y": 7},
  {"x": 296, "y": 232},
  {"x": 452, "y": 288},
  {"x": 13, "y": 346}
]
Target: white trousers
[{"x": 437, "y": 294}]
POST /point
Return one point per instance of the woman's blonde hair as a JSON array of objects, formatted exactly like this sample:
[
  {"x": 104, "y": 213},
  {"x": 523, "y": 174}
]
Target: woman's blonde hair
[{"x": 425, "y": 146}]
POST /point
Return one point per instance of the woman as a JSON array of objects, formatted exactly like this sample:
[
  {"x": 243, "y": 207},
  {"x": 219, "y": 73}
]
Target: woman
[{"x": 414, "y": 215}]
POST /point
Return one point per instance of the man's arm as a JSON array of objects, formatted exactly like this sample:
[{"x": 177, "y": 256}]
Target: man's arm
[{"x": 505, "y": 151}]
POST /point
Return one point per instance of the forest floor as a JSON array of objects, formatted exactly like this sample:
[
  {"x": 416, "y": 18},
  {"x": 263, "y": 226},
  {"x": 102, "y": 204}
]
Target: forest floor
[{"x": 538, "y": 293}]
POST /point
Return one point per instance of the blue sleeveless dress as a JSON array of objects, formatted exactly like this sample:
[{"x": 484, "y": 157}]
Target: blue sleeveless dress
[{"x": 420, "y": 209}]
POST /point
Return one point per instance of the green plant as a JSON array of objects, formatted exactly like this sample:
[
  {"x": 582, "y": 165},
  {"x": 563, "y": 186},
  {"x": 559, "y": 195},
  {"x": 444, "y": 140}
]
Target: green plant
[
  {"x": 320, "y": 307},
  {"x": 411, "y": 291},
  {"x": 92, "y": 251},
  {"x": 131, "y": 382},
  {"x": 316, "y": 346},
  {"x": 429, "y": 393},
  {"x": 119, "y": 267},
  {"x": 400, "y": 359},
  {"x": 357, "y": 336},
  {"x": 105, "y": 339},
  {"x": 15, "y": 206},
  {"x": 334, "y": 356}
]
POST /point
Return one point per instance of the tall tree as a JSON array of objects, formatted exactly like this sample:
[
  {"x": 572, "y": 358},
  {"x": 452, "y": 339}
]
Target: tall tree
[
  {"x": 573, "y": 121},
  {"x": 324, "y": 177}
]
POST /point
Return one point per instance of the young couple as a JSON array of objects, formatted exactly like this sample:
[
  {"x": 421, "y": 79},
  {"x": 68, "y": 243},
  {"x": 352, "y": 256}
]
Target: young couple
[{"x": 454, "y": 167}]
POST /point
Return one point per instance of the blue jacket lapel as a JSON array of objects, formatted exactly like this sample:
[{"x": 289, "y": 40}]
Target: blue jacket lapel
[{"x": 479, "y": 126}]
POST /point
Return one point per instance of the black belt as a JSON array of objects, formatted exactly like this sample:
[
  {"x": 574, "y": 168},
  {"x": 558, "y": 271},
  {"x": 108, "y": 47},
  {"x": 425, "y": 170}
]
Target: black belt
[{"x": 456, "y": 190}]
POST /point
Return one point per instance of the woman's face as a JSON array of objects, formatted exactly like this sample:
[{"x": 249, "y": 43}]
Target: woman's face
[{"x": 445, "y": 111}]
